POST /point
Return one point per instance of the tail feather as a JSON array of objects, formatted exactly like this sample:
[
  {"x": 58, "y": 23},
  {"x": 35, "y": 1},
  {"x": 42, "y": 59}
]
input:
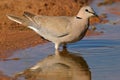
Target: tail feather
[
  {"x": 15, "y": 18},
  {"x": 27, "y": 20},
  {"x": 29, "y": 16},
  {"x": 20, "y": 20}
]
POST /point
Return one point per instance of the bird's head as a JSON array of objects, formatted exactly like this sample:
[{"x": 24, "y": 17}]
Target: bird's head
[{"x": 86, "y": 12}]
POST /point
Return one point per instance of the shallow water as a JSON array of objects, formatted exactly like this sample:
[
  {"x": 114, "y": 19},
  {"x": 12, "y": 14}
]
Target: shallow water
[{"x": 101, "y": 53}]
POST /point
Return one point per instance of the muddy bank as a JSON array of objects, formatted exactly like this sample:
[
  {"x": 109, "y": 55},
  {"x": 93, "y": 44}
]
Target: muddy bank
[
  {"x": 17, "y": 40},
  {"x": 4, "y": 77}
]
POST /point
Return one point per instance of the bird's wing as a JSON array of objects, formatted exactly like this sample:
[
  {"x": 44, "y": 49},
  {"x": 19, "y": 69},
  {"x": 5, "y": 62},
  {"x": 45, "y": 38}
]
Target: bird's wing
[{"x": 54, "y": 26}]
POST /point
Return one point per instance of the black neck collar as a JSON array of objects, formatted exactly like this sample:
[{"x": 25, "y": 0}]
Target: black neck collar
[{"x": 78, "y": 17}]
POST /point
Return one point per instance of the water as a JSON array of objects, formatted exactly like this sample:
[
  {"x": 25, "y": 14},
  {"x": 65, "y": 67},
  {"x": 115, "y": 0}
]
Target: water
[{"x": 99, "y": 53}]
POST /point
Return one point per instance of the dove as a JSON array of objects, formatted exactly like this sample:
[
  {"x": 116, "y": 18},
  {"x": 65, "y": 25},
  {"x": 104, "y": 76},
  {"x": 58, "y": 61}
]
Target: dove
[{"x": 58, "y": 29}]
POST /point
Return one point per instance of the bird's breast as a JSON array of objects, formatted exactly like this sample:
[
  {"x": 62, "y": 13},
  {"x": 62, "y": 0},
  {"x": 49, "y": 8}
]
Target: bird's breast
[{"x": 78, "y": 34}]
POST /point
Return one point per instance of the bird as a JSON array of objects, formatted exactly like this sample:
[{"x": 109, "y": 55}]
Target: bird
[{"x": 60, "y": 30}]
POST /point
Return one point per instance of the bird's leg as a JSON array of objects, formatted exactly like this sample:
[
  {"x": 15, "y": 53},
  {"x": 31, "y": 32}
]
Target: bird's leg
[
  {"x": 57, "y": 46},
  {"x": 57, "y": 52},
  {"x": 64, "y": 46}
]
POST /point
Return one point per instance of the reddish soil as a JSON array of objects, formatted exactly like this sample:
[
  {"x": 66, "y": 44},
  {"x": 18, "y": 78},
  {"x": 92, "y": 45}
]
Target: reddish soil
[
  {"x": 108, "y": 2},
  {"x": 115, "y": 11},
  {"x": 4, "y": 77},
  {"x": 12, "y": 40}
]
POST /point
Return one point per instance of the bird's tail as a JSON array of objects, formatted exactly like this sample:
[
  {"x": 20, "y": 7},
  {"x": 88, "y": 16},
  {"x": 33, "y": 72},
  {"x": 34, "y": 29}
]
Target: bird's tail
[
  {"x": 29, "y": 16},
  {"x": 27, "y": 20}
]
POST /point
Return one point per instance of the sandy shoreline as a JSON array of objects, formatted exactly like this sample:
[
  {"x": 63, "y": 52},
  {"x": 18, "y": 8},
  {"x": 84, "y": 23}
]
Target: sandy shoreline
[{"x": 11, "y": 41}]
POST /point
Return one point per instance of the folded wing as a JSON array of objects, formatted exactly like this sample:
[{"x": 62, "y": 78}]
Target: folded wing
[{"x": 54, "y": 26}]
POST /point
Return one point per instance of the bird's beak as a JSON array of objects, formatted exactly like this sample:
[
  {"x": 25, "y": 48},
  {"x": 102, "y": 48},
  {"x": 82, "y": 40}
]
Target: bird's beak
[
  {"x": 97, "y": 16},
  {"x": 94, "y": 14}
]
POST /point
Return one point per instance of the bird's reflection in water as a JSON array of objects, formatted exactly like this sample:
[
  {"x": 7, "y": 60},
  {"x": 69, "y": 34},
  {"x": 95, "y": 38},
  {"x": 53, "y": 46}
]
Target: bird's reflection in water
[{"x": 63, "y": 66}]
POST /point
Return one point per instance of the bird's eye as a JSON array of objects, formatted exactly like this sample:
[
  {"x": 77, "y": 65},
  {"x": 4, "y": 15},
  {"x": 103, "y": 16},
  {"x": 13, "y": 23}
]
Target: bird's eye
[{"x": 86, "y": 10}]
